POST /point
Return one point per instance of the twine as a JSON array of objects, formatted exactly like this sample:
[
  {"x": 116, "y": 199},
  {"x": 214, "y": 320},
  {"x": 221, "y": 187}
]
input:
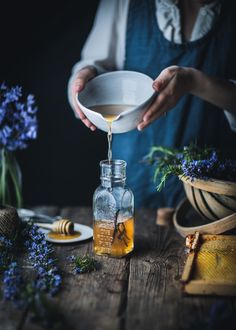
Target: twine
[{"x": 9, "y": 221}]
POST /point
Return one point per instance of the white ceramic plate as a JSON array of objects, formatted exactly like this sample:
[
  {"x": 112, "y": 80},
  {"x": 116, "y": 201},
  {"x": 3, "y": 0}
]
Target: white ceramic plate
[{"x": 86, "y": 233}]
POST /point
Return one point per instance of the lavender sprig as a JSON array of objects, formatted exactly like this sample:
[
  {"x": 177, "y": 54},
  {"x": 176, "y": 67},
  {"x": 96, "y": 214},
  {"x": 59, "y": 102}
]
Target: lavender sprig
[
  {"x": 13, "y": 285},
  {"x": 47, "y": 279},
  {"x": 23, "y": 292},
  {"x": 5, "y": 243},
  {"x": 39, "y": 252},
  {"x": 18, "y": 122},
  {"x": 5, "y": 250},
  {"x": 192, "y": 161}
]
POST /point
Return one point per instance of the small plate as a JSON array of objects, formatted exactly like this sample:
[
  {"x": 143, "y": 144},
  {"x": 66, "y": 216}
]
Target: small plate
[{"x": 86, "y": 233}]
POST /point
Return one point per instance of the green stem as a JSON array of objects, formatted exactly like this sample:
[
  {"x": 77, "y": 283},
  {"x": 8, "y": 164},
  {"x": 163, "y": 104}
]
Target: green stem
[
  {"x": 17, "y": 190},
  {"x": 14, "y": 171},
  {"x": 10, "y": 179}
]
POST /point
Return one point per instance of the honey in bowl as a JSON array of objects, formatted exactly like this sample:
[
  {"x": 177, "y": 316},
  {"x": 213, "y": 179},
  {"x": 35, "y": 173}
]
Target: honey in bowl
[{"x": 110, "y": 110}]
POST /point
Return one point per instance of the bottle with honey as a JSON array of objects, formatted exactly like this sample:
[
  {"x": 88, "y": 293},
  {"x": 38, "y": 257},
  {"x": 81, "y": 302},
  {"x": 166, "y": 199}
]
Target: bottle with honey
[{"x": 113, "y": 211}]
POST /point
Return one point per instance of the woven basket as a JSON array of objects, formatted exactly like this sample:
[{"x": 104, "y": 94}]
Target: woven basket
[
  {"x": 212, "y": 199},
  {"x": 9, "y": 221}
]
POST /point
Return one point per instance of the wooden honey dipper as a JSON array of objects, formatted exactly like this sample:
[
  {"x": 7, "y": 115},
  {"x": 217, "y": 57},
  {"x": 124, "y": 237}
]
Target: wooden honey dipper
[{"x": 62, "y": 226}]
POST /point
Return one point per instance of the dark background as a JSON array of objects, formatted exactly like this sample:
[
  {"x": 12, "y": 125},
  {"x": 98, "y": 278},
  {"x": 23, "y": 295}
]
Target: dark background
[{"x": 40, "y": 43}]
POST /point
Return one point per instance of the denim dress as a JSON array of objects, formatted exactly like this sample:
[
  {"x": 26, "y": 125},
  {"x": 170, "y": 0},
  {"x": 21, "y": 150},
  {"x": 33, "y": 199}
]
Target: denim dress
[{"x": 192, "y": 119}]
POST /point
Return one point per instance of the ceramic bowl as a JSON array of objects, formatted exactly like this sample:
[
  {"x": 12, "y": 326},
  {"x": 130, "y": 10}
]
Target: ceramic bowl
[{"x": 117, "y": 88}]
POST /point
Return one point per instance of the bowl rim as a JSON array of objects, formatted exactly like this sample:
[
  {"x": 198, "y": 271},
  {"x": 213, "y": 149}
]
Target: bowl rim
[
  {"x": 119, "y": 72},
  {"x": 217, "y": 186},
  {"x": 214, "y": 227}
]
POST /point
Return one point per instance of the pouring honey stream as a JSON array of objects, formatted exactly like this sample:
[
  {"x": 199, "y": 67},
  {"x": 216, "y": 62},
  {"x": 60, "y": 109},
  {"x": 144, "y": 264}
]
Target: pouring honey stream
[
  {"x": 109, "y": 119},
  {"x": 110, "y": 113}
]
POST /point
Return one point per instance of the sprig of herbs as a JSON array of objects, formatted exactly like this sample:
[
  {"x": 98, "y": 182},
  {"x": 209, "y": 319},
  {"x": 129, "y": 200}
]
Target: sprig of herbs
[
  {"x": 191, "y": 161},
  {"x": 84, "y": 264}
]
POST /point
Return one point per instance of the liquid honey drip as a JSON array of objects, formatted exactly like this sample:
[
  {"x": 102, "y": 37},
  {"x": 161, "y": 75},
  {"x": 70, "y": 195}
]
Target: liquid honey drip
[
  {"x": 116, "y": 242},
  {"x": 110, "y": 112},
  {"x": 109, "y": 119},
  {"x": 59, "y": 237}
]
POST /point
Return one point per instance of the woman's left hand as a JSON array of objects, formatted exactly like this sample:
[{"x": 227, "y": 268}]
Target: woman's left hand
[{"x": 172, "y": 83}]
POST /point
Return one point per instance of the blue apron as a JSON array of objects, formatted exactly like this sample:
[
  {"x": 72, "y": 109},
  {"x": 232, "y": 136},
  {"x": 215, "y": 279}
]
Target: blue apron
[{"x": 191, "y": 120}]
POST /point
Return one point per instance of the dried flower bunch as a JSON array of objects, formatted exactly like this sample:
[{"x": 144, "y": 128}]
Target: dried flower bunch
[
  {"x": 191, "y": 161},
  {"x": 18, "y": 125}
]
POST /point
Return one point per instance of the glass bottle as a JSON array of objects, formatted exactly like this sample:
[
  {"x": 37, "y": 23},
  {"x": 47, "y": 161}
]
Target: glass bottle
[{"x": 113, "y": 211}]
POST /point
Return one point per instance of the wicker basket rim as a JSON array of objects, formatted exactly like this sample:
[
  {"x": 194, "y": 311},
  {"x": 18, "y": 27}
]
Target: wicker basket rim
[{"x": 212, "y": 185}]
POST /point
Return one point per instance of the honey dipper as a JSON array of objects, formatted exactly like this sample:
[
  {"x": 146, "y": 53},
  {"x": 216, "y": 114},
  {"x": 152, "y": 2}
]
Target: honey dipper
[{"x": 62, "y": 226}]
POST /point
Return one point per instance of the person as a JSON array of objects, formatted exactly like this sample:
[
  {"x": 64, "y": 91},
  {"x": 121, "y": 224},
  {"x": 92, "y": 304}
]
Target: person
[{"x": 188, "y": 47}]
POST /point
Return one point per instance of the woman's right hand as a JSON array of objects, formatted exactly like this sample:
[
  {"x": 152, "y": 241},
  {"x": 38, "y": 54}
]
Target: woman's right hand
[{"x": 83, "y": 76}]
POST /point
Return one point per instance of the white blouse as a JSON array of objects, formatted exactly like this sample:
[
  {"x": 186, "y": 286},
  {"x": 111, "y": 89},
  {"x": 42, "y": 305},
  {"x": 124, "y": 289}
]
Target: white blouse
[{"x": 105, "y": 46}]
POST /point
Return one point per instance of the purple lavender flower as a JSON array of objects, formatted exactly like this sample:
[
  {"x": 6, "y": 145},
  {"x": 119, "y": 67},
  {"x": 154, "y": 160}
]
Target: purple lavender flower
[
  {"x": 5, "y": 247},
  {"x": 78, "y": 270},
  {"x": 212, "y": 167},
  {"x": 5, "y": 243},
  {"x": 18, "y": 122},
  {"x": 71, "y": 258},
  {"x": 191, "y": 161},
  {"x": 48, "y": 279},
  {"x": 12, "y": 283}
]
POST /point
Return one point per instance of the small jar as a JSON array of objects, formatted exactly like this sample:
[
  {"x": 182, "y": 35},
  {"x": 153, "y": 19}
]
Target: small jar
[{"x": 113, "y": 211}]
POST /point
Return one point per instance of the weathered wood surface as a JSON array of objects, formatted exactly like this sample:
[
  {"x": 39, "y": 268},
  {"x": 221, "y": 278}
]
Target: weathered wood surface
[{"x": 140, "y": 292}]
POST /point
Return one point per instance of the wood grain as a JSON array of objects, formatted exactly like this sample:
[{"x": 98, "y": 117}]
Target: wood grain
[
  {"x": 154, "y": 276},
  {"x": 142, "y": 290}
]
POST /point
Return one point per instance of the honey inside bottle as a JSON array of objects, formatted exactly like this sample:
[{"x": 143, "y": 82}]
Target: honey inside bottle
[
  {"x": 116, "y": 240},
  {"x": 113, "y": 211}
]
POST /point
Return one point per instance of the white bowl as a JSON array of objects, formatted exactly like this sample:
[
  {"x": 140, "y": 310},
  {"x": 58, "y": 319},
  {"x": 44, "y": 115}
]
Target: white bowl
[{"x": 117, "y": 88}]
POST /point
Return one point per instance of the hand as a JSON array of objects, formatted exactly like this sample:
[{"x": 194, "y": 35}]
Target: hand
[
  {"x": 172, "y": 83},
  {"x": 78, "y": 85}
]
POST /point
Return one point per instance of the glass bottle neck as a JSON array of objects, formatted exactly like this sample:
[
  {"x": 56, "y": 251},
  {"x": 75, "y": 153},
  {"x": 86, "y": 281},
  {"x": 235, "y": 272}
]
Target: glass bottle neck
[{"x": 113, "y": 173}]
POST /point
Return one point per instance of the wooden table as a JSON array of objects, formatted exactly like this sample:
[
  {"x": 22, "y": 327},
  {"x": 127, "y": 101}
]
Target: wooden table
[{"x": 141, "y": 291}]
